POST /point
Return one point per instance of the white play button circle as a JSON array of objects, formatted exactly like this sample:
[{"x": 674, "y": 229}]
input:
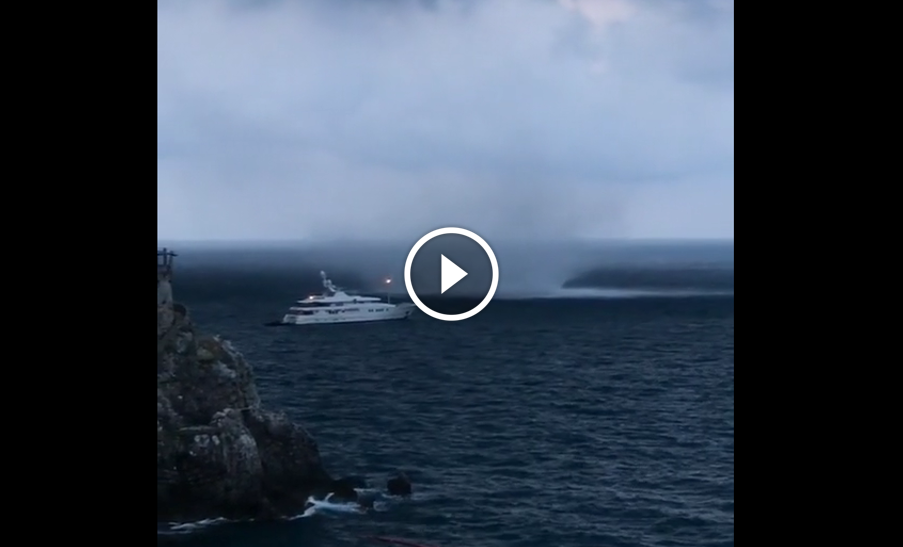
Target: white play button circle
[
  {"x": 455, "y": 270},
  {"x": 449, "y": 274}
]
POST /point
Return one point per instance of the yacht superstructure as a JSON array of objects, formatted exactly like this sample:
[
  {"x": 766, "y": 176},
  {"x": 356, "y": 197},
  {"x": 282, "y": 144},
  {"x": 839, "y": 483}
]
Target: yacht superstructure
[{"x": 336, "y": 306}]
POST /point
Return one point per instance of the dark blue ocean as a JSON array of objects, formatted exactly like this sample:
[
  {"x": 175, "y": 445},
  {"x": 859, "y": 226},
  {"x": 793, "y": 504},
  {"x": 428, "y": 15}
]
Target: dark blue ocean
[{"x": 602, "y": 416}]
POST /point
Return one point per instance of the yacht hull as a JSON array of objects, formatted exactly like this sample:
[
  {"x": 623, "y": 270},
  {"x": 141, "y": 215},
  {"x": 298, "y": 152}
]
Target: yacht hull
[{"x": 396, "y": 314}]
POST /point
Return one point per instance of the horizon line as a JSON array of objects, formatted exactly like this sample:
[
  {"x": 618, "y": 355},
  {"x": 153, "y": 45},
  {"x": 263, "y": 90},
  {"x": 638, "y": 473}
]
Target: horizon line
[{"x": 401, "y": 240}]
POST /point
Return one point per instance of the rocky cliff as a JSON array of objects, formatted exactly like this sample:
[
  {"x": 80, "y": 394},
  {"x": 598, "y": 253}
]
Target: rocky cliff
[{"x": 218, "y": 452}]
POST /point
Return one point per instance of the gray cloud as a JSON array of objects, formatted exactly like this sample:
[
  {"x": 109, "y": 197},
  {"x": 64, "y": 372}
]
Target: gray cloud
[{"x": 515, "y": 118}]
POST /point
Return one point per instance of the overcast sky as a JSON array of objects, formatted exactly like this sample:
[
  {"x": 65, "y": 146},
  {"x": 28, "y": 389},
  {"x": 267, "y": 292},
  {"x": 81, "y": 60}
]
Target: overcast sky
[{"x": 384, "y": 119}]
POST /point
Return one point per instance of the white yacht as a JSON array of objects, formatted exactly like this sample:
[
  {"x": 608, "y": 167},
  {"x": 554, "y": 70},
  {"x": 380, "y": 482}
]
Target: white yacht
[{"x": 336, "y": 306}]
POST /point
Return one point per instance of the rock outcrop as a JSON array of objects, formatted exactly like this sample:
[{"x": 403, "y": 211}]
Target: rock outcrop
[
  {"x": 399, "y": 485},
  {"x": 219, "y": 454}
]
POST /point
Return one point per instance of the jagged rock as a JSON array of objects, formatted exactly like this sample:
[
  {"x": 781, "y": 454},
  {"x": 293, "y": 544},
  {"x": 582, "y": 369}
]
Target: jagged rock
[
  {"x": 399, "y": 485},
  {"x": 165, "y": 319},
  {"x": 366, "y": 502},
  {"x": 218, "y": 452},
  {"x": 344, "y": 488},
  {"x": 290, "y": 458},
  {"x": 165, "y": 312}
]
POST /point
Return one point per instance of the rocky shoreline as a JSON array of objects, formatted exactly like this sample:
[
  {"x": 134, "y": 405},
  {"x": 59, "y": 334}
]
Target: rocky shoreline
[{"x": 219, "y": 453}]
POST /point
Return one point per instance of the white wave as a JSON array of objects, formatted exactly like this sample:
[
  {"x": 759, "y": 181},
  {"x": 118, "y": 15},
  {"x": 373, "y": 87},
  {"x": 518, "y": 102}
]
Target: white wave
[
  {"x": 381, "y": 503},
  {"x": 189, "y": 527},
  {"x": 326, "y": 506}
]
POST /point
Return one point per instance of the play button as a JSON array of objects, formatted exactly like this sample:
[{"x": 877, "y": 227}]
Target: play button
[{"x": 451, "y": 274}]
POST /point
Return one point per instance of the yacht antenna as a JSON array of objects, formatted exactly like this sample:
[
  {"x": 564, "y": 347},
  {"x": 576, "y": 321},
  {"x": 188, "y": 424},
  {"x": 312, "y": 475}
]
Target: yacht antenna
[
  {"x": 327, "y": 284},
  {"x": 388, "y": 294}
]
